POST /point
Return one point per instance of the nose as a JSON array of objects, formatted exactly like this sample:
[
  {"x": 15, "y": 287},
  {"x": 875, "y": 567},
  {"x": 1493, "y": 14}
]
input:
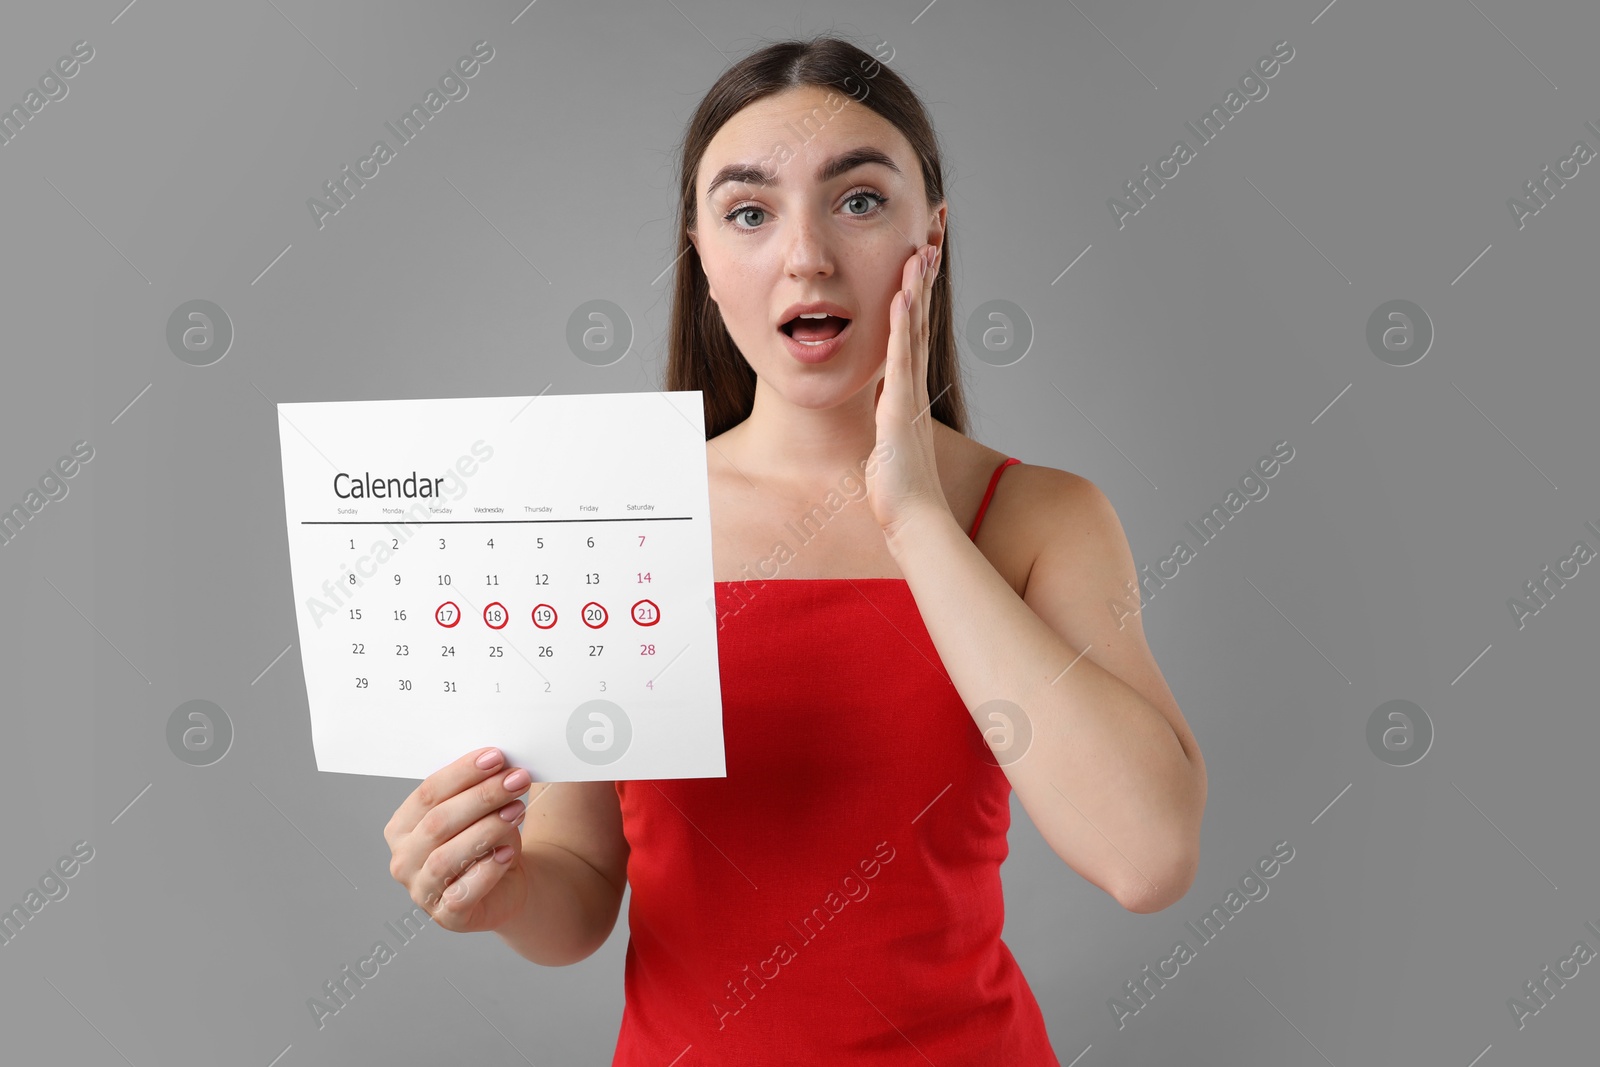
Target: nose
[{"x": 808, "y": 254}]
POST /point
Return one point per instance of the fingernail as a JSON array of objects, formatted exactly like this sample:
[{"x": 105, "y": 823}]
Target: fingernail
[
  {"x": 512, "y": 811},
  {"x": 517, "y": 780},
  {"x": 489, "y": 759},
  {"x": 504, "y": 853}
]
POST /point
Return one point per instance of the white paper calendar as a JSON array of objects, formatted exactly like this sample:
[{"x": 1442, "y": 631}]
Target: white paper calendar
[{"x": 527, "y": 572}]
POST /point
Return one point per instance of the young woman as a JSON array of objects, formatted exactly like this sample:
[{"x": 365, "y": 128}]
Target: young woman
[{"x": 888, "y": 676}]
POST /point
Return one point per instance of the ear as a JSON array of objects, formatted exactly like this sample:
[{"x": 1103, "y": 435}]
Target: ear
[{"x": 936, "y": 225}]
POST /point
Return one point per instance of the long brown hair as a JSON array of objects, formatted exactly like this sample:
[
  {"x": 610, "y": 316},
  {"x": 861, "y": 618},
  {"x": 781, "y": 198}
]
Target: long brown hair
[{"x": 700, "y": 353}]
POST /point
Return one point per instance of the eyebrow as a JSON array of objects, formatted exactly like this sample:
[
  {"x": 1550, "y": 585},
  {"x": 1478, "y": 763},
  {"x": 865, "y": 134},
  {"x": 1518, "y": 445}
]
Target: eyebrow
[{"x": 750, "y": 174}]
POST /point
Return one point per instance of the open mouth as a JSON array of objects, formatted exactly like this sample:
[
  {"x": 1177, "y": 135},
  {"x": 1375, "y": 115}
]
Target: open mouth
[{"x": 809, "y": 330}]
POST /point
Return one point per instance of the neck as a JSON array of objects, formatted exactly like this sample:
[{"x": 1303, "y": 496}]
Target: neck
[{"x": 785, "y": 441}]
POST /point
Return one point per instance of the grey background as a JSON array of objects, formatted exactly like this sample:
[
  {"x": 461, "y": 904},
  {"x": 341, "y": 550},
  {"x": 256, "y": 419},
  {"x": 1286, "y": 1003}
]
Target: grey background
[{"x": 1227, "y": 315}]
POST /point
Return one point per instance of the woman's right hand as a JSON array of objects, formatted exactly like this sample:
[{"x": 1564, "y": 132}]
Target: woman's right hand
[{"x": 455, "y": 845}]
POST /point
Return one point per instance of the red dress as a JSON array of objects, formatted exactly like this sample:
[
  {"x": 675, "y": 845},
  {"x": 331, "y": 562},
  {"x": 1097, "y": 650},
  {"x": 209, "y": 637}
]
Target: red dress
[{"x": 836, "y": 898}]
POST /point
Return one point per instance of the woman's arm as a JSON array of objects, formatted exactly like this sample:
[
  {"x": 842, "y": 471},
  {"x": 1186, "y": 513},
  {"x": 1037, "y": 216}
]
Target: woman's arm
[
  {"x": 575, "y": 857},
  {"x": 1113, "y": 777},
  {"x": 568, "y": 912}
]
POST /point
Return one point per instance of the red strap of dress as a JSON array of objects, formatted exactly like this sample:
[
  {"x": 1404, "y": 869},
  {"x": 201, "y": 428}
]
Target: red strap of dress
[{"x": 994, "y": 479}]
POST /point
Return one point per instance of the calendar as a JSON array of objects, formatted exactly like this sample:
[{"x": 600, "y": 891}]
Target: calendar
[{"x": 527, "y": 572}]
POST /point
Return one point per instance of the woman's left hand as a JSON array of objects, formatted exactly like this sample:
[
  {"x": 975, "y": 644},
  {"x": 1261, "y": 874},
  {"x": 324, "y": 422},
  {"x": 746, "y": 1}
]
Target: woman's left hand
[{"x": 905, "y": 486}]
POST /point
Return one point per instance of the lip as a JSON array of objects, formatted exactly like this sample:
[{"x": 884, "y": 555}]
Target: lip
[
  {"x": 819, "y": 352},
  {"x": 812, "y": 308}
]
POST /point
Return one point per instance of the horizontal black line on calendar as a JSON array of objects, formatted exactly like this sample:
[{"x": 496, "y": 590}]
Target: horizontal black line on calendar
[{"x": 448, "y": 522}]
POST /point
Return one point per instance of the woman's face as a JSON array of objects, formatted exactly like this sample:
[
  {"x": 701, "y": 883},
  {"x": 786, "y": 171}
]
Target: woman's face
[{"x": 810, "y": 197}]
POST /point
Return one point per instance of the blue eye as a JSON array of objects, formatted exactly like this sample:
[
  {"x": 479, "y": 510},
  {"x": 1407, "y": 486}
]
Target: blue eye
[
  {"x": 730, "y": 216},
  {"x": 878, "y": 199},
  {"x": 864, "y": 193}
]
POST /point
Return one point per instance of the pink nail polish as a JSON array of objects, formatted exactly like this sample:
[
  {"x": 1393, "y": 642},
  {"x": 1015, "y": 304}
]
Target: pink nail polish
[
  {"x": 489, "y": 759},
  {"x": 517, "y": 780}
]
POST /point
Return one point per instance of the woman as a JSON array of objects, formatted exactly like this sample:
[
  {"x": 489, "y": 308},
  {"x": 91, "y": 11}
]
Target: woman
[{"x": 836, "y": 897}]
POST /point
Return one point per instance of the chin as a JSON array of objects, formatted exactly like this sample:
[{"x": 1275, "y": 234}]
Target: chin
[{"x": 819, "y": 386}]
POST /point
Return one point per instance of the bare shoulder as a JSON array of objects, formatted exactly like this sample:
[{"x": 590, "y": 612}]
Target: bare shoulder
[
  {"x": 1059, "y": 504},
  {"x": 1038, "y": 511}
]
